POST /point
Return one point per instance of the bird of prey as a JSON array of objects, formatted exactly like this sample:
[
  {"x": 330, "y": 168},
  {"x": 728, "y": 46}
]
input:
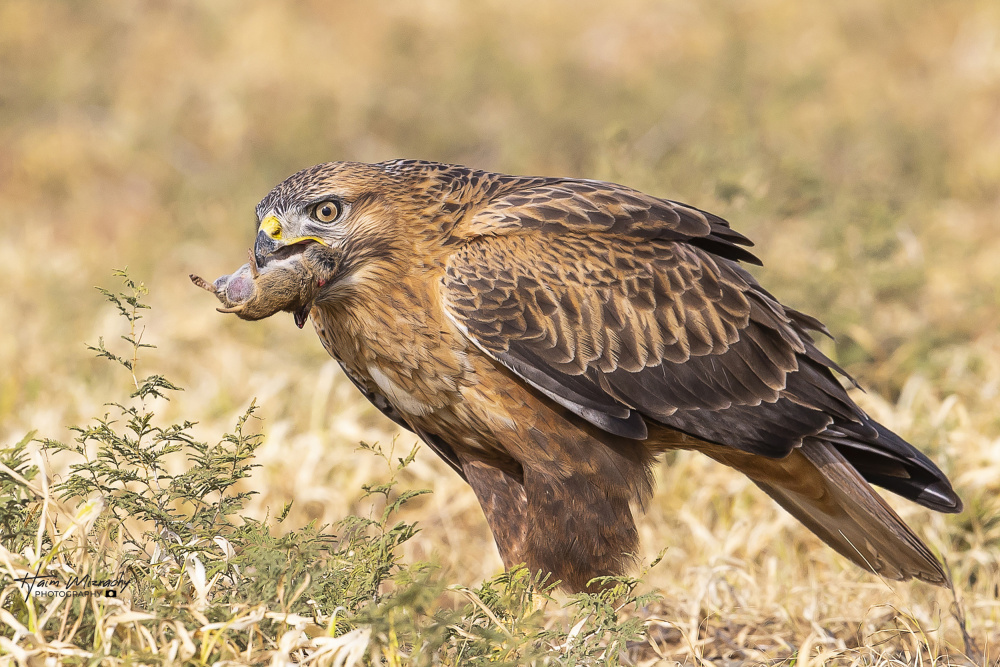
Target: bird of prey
[{"x": 549, "y": 337}]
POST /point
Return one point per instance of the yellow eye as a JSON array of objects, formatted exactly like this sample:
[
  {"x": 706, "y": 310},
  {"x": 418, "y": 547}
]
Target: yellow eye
[{"x": 327, "y": 211}]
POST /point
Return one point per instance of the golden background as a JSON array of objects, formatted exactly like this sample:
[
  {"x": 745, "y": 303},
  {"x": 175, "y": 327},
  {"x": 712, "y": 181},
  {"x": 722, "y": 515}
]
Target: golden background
[{"x": 857, "y": 142}]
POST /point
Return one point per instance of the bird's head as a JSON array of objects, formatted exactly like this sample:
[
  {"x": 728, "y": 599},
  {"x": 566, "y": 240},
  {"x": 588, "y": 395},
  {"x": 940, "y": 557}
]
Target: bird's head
[{"x": 344, "y": 206}]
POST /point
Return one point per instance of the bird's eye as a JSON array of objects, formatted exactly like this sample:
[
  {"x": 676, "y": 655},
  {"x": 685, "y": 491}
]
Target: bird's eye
[{"x": 327, "y": 211}]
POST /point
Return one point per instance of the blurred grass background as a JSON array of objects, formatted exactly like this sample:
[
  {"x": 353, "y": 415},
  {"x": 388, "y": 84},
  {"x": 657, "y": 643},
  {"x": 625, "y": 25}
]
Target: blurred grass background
[{"x": 856, "y": 142}]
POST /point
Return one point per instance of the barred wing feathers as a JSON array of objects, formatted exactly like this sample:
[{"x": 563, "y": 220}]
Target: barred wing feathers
[{"x": 633, "y": 311}]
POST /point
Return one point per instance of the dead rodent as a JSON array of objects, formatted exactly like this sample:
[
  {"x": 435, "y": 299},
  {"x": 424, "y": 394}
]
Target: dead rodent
[{"x": 289, "y": 284}]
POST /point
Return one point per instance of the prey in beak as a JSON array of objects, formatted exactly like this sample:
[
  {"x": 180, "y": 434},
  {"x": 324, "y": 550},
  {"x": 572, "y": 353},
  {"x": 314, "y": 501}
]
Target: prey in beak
[
  {"x": 289, "y": 281},
  {"x": 274, "y": 244}
]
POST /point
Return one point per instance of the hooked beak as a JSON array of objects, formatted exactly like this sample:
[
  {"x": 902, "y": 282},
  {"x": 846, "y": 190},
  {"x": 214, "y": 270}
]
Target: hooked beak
[
  {"x": 272, "y": 238},
  {"x": 263, "y": 247}
]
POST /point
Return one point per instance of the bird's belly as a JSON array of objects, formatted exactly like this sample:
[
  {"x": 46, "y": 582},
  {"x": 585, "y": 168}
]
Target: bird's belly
[
  {"x": 473, "y": 412},
  {"x": 404, "y": 401},
  {"x": 431, "y": 375}
]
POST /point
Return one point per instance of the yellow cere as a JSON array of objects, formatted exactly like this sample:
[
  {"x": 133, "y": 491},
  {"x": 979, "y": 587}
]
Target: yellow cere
[{"x": 272, "y": 227}]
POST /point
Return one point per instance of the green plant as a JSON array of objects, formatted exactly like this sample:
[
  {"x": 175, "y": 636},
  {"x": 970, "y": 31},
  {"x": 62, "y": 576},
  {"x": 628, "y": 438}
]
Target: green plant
[{"x": 149, "y": 531}]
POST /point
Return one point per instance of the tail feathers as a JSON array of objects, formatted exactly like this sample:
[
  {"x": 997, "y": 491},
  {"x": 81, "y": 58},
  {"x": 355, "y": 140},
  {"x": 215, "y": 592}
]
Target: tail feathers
[
  {"x": 894, "y": 464},
  {"x": 820, "y": 488}
]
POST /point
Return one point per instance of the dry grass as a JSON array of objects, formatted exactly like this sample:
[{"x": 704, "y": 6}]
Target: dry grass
[{"x": 856, "y": 142}]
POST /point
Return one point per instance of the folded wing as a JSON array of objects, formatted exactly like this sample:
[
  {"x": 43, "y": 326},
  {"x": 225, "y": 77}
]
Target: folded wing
[{"x": 633, "y": 311}]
